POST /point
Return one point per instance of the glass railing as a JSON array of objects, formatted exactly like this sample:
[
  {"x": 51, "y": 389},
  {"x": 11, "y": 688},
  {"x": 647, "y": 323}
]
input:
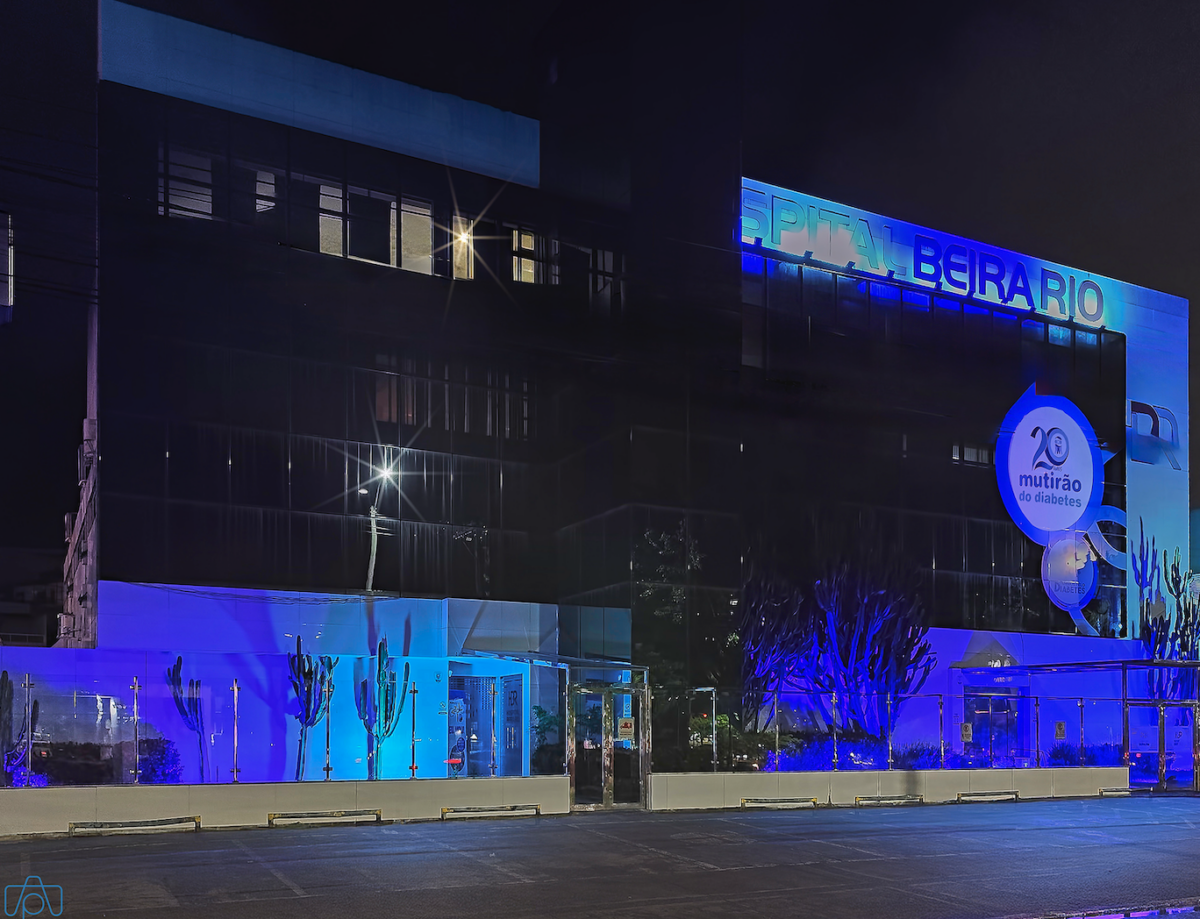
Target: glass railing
[
  {"x": 806, "y": 731},
  {"x": 81, "y": 718}
]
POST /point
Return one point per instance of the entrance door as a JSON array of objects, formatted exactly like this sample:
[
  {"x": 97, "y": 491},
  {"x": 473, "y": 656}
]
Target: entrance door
[
  {"x": 588, "y": 775},
  {"x": 997, "y": 730},
  {"x": 609, "y": 759},
  {"x": 1162, "y": 744}
]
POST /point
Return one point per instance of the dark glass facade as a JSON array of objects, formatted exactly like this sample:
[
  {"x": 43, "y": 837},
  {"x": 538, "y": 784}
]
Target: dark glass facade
[{"x": 582, "y": 394}]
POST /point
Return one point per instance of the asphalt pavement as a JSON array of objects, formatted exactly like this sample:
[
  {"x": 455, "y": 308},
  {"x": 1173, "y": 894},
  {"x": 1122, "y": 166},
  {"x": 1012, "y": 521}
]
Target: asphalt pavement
[{"x": 966, "y": 861}]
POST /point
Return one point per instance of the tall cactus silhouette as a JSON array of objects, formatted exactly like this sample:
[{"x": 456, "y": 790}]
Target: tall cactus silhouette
[
  {"x": 379, "y": 702},
  {"x": 12, "y": 750},
  {"x": 190, "y": 706},
  {"x": 312, "y": 681}
]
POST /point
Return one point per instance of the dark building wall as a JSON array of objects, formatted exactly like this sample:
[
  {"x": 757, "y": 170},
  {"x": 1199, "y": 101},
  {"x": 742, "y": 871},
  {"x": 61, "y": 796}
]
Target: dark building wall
[
  {"x": 628, "y": 437},
  {"x": 48, "y": 188}
]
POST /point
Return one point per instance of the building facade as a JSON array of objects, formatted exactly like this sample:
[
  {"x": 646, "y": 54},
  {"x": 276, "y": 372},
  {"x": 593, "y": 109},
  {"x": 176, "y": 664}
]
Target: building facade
[{"x": 356, "y": 335}]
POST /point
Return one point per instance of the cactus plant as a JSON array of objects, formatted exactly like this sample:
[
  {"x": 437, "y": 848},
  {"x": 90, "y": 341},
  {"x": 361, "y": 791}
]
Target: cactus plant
[
  {"x": 12, "y": 750},
  {"x": 312, "y": 681},
  {"x": 379, "y": 702},
  {"x": 190, "y": 706}
]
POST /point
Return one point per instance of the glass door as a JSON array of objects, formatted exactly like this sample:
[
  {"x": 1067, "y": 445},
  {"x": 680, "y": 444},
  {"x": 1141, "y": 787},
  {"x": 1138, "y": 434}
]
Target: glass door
[
  {"x": 626, "y": 746},
  {"x": 588, "y": 774},
  {"x": 1162, "y": 744},
  {"x": 1178, "y": 743},
  {"x": 609, "y": 756}
]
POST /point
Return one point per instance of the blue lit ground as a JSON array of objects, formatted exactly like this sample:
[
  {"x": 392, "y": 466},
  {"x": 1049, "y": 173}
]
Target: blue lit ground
[{"x": 962, "y": 861}]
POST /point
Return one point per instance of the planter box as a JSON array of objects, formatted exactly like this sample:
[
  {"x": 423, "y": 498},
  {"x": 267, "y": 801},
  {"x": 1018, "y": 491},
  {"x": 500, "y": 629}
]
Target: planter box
[{"x": 718, "y": 790}]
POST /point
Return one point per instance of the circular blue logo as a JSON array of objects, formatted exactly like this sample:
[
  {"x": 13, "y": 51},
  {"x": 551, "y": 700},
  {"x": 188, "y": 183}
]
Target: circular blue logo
[
  {"x": 1048, "y": 467},
  {"x": 1069, "y": 571}
]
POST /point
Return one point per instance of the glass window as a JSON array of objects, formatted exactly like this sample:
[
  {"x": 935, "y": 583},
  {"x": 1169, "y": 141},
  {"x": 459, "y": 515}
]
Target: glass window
[
  {"x": 185, "y": 183},
  {"x": 386, "y": 405},
  {"x": 463, "y": 248},
  {"x": 1060, "y": 335},
  {"x": 534, "y": 258},
  {"x": 851, "y": 303},
  {"x": 605, "y": 290},
  {"x": 918, "y": 312},
  {"x": 818, "y": 293},
  {"x": 331, "y": 219},
  {"x": 264, "y": 190},
  {"x": 416, "y": 236},
  {"x": 371, "y": 235}
]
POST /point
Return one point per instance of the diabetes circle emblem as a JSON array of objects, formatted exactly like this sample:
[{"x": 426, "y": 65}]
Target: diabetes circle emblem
[
  {"x": 1048, "y": 466},
  {"x": 1052, "y": 490}
]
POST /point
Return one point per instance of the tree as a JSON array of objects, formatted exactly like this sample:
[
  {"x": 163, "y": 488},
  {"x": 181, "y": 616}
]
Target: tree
[{"x": 848, "y": 635}]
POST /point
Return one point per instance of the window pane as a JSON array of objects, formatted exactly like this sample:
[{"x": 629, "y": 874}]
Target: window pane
[
  {"x": 372, "y": 230},
  {"x": 416, "y": 236},
  {"x": 185, "y": 183},
  {"x": 463, "y": 249},
  {"x": 331, "y": 235}
]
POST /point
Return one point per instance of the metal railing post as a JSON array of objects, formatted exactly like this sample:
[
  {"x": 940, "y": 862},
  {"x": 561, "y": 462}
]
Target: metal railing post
[
  {"x": 889, "y": 729},
  {"x": 777, "y": 769},
  {"x": 835, "y": 743},
  {"x": 1037, "y": 731},
  {"x": 28, "y": 686},
  {"x": 137, "y": 763},
  {"x": 942, "y": 726},
  {"x": 328, "y": 769},
  {"x": 714, "y": 728},
  {"x": 235, "y": 770},
  {"x": 1081, "y": 732}
]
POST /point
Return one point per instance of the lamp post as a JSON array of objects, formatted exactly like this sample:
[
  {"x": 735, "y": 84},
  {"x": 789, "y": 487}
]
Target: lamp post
[{"x": 385, "y": 475}]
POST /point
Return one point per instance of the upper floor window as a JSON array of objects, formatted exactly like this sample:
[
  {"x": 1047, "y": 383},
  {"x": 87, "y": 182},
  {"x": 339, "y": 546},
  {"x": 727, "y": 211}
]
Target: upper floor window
[
  {"x": 416, "y": 236},
  {"x": 331, "y": 220},
  {"x": 534, "y": 258},
  {"x": 463, "y": 248},
  {"x": 371, "y": 232},
  {"x": 605, "y": 287},
  {"x": 971, "y": 454},
  {"x": 185, "y": 183}
]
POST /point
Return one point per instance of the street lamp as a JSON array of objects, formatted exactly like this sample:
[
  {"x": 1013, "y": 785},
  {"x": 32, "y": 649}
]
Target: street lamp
[{"x": 385, "y": 475}]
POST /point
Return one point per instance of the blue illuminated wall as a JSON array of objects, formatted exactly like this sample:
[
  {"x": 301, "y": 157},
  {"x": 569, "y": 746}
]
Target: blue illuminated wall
[
  {"x": 794, "y": 227},
  {"x": 86, "y": 696}
]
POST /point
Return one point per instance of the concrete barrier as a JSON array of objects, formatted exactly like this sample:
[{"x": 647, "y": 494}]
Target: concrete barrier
[
  {"x": 26, "y": 811},
  {"x": 716, "y": 790}
]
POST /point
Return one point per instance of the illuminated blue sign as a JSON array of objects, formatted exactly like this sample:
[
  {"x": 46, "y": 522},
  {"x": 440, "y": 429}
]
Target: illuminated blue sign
[
  {"x": 1051, "y": 476},
  {"x": 850, "y": 239},
  {"x": 1049, "y": 465}
]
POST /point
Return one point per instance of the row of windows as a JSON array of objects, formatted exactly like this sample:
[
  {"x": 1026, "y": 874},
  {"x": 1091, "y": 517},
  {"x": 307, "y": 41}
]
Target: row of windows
[
  {"x": 361, "y": 223},
  {"x": 212, "y": 464},
  {"x": 402, "y": 398},
  {"x": 171, "y": 542},
  {"x": 889, "y": 310}
]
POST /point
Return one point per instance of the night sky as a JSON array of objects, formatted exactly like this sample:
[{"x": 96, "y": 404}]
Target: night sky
[{"x": 1069, "y": 131}]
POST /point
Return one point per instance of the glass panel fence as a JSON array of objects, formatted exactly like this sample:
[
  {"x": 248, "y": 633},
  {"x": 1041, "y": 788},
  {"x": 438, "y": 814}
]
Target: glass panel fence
[
  {"x": 90, "y": 718},
  {"x": 918, "y": 732}
]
